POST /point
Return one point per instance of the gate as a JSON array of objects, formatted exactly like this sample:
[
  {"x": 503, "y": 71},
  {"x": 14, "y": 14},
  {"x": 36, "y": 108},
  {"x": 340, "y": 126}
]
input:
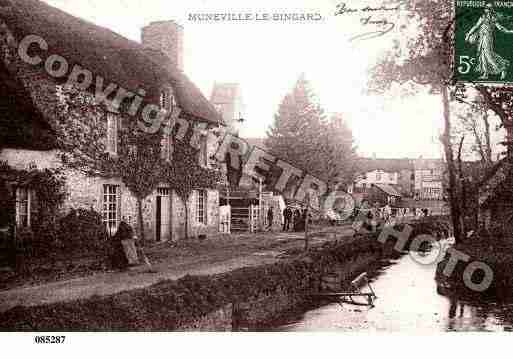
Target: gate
[
  {"x": 240, "y": 219},
  {"x": 245, "y": 219},
  {"x": 254, "y": 219},
  {"x": 225, "y": 219}
]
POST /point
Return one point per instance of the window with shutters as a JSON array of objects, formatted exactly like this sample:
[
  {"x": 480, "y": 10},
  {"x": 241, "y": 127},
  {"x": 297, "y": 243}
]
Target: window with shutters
[
  {"x": 166, "y": 143},
  {"x": 26, "y": 207},
  {"x": 112, "y": 134},
  {"x": 164, "y": 101},
  {"x": 167, "y": 99},
  {"x": 201, "y": 207},
  {"x": 167, "y": 102},
  {"x": 111, "y": 207}
]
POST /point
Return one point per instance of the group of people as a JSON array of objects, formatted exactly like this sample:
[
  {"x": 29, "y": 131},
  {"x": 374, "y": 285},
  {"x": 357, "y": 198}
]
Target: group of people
[
  {"x": 386, "y": 213},
  {"x": 293, "y": 219}
]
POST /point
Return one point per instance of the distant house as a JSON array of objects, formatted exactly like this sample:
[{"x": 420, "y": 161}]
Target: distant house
[
  {"x": 398, "y": 173},
  {"x": 429, "y": 178},
  {"x": 377, "y": 176},
  {"x": 384, "y": 194},
  {"x": 29, "y": 96},
  {"x": 420, "y": 178}
]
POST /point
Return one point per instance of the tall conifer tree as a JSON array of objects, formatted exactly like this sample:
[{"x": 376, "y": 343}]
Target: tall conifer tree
[{"x": 303, "y": 137}]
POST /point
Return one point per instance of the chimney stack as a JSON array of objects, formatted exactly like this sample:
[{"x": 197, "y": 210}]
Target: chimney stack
[{"x": 166, "y": 37}]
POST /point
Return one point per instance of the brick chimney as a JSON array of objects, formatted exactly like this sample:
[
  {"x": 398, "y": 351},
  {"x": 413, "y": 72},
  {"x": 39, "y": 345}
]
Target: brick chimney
[{"x": 167, "y": 37}]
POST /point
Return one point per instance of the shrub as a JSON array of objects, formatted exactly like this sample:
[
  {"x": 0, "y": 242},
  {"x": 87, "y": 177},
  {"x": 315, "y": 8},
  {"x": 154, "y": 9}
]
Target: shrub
[{"x": 82, "y": 230}]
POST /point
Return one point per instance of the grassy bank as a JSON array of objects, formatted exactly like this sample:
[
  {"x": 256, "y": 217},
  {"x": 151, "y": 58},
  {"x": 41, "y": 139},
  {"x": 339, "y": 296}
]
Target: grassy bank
[
  {"x": 179, "y": 304},
  {"x": 171, "y": 305},
  {"x": 493, "y": 247},
  {"x": 59, "y": 266}
]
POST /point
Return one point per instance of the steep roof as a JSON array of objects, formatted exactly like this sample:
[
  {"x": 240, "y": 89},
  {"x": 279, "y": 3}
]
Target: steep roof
[
  {"x": 105, "y": 53},
  {"x": 388, "y": 189},
  {"x": 21, "y": 125}
]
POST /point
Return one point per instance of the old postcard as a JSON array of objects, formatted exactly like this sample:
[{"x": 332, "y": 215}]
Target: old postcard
[{"x": 257, "y": 166}]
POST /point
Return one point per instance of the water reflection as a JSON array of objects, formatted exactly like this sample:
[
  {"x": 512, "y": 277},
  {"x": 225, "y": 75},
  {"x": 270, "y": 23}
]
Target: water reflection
[{"x": 408, "y": 301}]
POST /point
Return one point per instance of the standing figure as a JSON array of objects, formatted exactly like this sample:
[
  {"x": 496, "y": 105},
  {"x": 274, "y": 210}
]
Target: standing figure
[
  {"x": 119, "y": 259},
  {"x": 287, "y": 216},
  {"x": 297, "y": 218},
  {"x": 270, "y": 218},
  {"x": 301, "y": 220},
  {"x": 387, "y": 212},
  {"x": 304, "y": 218},
  {"x": 483, "y": 33}
]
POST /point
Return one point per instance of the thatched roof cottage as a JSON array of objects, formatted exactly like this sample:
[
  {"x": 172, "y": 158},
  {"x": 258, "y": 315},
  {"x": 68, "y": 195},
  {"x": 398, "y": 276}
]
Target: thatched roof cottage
[{"x": 29, "y": 92}]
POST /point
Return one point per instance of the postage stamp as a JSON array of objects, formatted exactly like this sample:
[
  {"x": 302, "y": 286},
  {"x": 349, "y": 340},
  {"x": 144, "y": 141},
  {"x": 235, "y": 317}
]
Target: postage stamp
[{"x": 483, "y": 36}]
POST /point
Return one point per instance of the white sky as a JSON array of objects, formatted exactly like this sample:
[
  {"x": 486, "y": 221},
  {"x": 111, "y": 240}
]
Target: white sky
[{"x": 267, "y": 57}]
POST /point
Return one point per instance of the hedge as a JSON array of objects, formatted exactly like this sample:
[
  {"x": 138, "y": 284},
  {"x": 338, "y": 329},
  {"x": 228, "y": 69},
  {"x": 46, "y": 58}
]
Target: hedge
[{"x": 168, "y": 305}]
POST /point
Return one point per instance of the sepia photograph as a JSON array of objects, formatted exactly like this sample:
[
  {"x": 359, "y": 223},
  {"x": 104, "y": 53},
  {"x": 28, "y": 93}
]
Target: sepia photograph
[{"x": 256, "y": 167}]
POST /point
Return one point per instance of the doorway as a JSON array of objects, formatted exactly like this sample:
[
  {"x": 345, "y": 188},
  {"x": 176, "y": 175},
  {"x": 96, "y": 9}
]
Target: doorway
[{"x": 163, "y": 215}]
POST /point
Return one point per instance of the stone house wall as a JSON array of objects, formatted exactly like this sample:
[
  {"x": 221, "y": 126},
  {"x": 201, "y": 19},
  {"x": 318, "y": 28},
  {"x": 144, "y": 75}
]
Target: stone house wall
[
  {"x": 195, "y": 228},
  {"x": 87, "y": 192}
]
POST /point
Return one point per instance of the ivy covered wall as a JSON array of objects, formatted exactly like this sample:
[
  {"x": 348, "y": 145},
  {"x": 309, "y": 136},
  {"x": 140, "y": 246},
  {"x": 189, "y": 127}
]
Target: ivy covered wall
[{"x": 45, "y": 98}]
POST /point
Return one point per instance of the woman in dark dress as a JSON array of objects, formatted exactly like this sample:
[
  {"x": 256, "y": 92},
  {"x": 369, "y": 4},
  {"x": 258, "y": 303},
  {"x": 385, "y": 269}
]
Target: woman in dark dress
[
  {"x": 119, "y": 259},
  {"x": 300, "y": 220},
  {"x": 297, "y": 219},
  {"x": 303, "y": 219}
]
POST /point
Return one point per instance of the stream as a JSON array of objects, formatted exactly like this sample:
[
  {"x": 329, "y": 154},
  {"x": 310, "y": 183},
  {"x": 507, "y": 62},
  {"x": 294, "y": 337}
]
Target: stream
[{"x": 408, "y": 301}]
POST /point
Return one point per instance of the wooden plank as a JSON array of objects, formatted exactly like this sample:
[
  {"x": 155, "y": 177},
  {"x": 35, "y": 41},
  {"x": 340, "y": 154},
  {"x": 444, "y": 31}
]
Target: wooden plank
[
  {"x": 342, "y": 294},
  {"x": 358, "y": 280}
]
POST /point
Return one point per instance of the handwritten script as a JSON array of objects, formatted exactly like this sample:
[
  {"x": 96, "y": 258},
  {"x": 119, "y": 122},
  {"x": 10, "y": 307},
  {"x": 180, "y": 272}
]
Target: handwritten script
[{"x": 377, "y": 18}]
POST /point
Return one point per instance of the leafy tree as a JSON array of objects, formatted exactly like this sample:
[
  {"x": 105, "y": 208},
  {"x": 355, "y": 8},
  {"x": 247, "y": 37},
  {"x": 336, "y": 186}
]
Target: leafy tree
[
  {"x": 338, "y": 152},
  {"x": 475, "y": 122},
  {"x": 424, "y": 61},
  {"x": 81, "y": 129},
  {"x": 423, "y": 58},
  {"x": 139, "y": 165},
  {"x": 500, "y": 101},
  {"x": 297, "y": 128},
  {"x": 184, "y": 174}
]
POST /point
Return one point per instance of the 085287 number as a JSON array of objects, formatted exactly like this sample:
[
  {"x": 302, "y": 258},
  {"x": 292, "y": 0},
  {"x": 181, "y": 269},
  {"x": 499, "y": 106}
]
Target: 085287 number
[{"x": 49, "y": 339}]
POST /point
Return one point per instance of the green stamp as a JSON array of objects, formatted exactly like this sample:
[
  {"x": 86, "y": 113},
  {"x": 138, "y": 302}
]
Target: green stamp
[{"x": 484, "y": 41}]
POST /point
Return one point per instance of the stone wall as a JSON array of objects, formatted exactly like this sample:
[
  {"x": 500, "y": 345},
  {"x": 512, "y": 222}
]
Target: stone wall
[
  {"x": 87, "y": 192},
  {"x": 265, "y": 307},
  {"x": 195, "y": 228},
  {"x": 243, "y": 299},
  {"x": 221, "y": 321},
  {"x": 84, "y": 192}
]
